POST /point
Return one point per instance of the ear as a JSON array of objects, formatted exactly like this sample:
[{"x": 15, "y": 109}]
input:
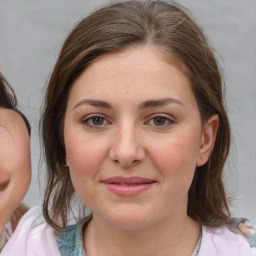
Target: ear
[{"x": 207, "y": 139}]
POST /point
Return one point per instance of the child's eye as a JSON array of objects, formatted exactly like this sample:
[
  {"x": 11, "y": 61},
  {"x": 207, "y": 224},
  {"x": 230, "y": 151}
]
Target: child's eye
[
  {"x": 160, "y": 121},
  {"x": 3, "y": 185},
  {"x": 94, "y": 121}
]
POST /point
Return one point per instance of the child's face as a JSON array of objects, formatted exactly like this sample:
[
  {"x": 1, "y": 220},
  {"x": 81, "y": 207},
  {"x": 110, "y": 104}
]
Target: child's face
[
  {"x": 15, "y": 166},
  {"x": 133, "y": 137}
]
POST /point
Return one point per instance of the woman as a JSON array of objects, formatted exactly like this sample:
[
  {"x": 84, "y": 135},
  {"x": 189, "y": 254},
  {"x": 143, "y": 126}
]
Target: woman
[
  {"x": 134, "y": 124},
  {"x": 15, "y": 165}
]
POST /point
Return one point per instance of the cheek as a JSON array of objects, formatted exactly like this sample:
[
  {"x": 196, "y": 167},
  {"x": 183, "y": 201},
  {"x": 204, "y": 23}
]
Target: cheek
[
  {"x": 7, "y": 152},
  {"x": 176, "y": 160},
  {"x": 85, "y": 158},
  {"x": 16, "y": 164},
  {"x": 20, "y": 175},
  {"x": 85, "y": 161}
]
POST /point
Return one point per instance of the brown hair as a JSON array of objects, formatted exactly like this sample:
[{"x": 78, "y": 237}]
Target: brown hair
[{"x": 116, "y": 27}]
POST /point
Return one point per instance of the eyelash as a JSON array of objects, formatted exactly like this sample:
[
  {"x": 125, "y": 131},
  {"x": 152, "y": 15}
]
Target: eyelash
[
  {"x": 165, "y": 118},
  {"x": 3, "y": 185},
  {"x": 88, "y": 121}
]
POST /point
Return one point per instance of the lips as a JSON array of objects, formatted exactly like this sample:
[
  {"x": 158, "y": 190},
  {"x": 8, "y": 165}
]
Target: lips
[{"x": 130, "y": 186}]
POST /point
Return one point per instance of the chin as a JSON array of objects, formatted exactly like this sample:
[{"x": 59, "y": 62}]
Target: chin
[{"x": 129, "y": 221}]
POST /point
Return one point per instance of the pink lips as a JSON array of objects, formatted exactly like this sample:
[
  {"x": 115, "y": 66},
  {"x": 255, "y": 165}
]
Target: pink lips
[{"x": 132, "y": 186}]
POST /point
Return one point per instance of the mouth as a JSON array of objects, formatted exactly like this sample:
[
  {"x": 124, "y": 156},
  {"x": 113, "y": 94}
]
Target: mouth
[{"x": 131, "y": 186}]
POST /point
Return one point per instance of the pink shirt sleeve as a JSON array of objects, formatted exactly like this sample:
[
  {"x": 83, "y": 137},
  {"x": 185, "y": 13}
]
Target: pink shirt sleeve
[{"x": 32, "y": 237}]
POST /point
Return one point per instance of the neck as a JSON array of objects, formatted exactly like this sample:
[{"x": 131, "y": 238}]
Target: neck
[{"x": 177, "y": 236}]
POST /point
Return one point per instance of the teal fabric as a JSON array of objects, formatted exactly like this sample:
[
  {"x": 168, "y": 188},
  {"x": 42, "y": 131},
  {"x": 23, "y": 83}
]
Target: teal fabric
[
  {"x": 70, "y": 240},
  {"x": 252, "y": 240},
  {"x": 196, "y": 251}
]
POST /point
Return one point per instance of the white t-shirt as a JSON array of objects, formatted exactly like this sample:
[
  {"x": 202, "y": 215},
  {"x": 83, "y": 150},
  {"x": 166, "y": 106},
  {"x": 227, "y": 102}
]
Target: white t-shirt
[{"x": 34, "y": 237}]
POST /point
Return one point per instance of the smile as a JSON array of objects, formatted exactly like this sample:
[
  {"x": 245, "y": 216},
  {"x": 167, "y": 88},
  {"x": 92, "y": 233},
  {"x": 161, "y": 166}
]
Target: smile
[{"x": 126, "y": 187}]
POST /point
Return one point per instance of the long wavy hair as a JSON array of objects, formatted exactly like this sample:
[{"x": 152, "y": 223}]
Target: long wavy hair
[{"x": 115, "y": 27}]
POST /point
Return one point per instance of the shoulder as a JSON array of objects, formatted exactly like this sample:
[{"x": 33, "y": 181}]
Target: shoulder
[
  {"x": 33, "y": 236},
  {"x": 227, "y": 241},
  {"x": 247, "y": 231}
]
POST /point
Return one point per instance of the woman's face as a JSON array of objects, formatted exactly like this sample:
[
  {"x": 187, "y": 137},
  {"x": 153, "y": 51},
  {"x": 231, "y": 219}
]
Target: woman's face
[
  {"x": 133, "y": 137},
  {"x": 15, "y": 166}
]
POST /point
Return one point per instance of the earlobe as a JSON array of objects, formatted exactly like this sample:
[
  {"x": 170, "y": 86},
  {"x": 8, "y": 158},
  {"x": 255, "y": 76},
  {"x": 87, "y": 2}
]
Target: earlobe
[{"x": 208, "y": 139}]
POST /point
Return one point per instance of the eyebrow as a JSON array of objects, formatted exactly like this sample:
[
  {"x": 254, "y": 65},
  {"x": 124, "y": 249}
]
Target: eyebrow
[
  {"x": 159, "y": 103},
  {"x": 94, "y": 103},
  {"x": 146, "y": 104}
]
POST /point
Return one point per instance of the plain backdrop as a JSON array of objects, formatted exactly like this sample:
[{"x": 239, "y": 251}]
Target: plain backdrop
[{"x": 31, "y": 35}]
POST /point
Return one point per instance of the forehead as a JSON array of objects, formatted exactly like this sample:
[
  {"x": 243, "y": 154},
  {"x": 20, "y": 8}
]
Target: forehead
[
  {"x": 11, "y": 122},
  {"x": 142, "y": 55},
  {"x": 132, "y": 66}
]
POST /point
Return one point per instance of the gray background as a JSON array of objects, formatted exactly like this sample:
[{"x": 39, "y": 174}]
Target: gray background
[{"x": 32, "y": 32}]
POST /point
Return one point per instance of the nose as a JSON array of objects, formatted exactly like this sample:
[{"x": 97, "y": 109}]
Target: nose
[{"x": 127, "y": 148}]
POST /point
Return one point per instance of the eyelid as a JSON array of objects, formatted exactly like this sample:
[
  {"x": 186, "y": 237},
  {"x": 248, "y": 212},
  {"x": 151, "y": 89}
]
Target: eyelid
[
  {"x": 93, "y": 115},
  {"x": 166, "y": 116},
  {"x": 89, "y": 117},
  {"x": 3, "y": 185}
]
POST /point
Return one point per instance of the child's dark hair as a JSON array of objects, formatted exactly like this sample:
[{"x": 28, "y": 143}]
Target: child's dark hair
[{"x": 8, "y": 100}]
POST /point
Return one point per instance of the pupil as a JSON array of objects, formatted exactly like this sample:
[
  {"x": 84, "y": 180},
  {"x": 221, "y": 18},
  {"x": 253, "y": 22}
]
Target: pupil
[
  {"x": 97, "y": 120},
  {"x": 159, "y": 121}
]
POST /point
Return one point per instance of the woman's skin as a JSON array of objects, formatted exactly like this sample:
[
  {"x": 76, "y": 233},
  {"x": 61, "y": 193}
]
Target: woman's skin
[
  {"x": 134, "y": 137},
  {"x": 15, "y": 163}
]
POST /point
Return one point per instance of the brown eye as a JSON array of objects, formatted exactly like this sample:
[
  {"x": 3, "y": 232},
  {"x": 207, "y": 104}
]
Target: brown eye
[
  {"x": 97, "y": 120},
  {"x": 159, "y": 120}
]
